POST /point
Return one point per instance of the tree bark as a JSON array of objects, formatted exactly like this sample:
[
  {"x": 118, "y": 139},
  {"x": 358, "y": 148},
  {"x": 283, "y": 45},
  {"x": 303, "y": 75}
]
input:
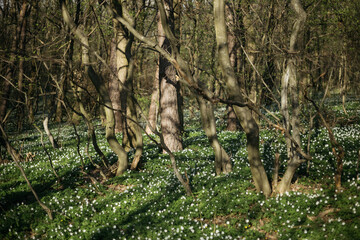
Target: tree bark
[
  {"x": 154, "y": 104},
  {"x": 237, "y": 94},
  {"x": 132, "y": 132},
  {"x": 169, "y": 89},
  {"x": 290, "y": 87},
  {"x": 52, "y": 140},
  {"x": 114, "y": 86},
  {"x": 100, "y": 86},
  {"x": 222, "y": 159}
]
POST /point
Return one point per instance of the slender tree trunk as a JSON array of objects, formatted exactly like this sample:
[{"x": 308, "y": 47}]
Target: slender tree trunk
[
  {"x": 236, "y": 93},
  {"x": 102, "y": 91},
  {"x": 222, "y": 159},
  {"x": 133, "y": 129},
  {"x": 22, "y": 30},
  {"x": 132, "y": 132},
  {"x": 154, "y": 104},
  {"x": 48, "y": 133},
  {"x": 60, "y": 94},
  {"x": 344, "y": 81},
  {"x": 17, "y": 158},
  {"x": 251, "y": 45},
  {"x": 91, "y": 130},
  {"x": 337, "y": 149},
  {"x": 232, "y": 122},
  {"x": 4, "y": 96},
  {"x": 290, "y": 87},
  {"x": 114, "y": 86}
]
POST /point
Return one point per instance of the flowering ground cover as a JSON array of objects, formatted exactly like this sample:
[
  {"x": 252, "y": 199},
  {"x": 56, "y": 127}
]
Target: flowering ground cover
[{"x": 151, "y": 204}]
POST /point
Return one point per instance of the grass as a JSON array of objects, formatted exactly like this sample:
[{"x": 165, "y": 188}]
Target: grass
[{"x": 151, "y": 204}]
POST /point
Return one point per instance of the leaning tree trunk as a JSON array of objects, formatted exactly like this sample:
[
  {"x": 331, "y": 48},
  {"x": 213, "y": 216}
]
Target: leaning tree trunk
[
  {"x": 91, "y": 130},
  {"x": 235, "y": 93},
  {"x": 290, "y": 87},
  {"x": 100, "y": 86},
  {"x": 52, "y": 140},
  {"x": 17, "y": 158}
]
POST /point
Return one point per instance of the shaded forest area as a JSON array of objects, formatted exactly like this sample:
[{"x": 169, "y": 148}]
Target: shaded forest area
[{"x": 179, "y": 119}]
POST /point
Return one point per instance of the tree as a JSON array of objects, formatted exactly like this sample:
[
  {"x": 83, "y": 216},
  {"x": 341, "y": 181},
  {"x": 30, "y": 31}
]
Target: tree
[
  {"x": 237, "y": 93},
  {"x": 132, "y": 133},
  {"x": 100, "y": 86},
  {"x": 290, "y": 91},
  {"x": 170, "y": 98}
]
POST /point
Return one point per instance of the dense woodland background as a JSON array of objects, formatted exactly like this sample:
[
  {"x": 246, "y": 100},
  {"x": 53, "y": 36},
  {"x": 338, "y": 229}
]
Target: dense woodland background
[{"x": 130, "y": 76}]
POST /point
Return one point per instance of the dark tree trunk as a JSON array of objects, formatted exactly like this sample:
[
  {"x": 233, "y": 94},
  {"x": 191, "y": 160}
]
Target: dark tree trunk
[{"x": 22, "y": 30}]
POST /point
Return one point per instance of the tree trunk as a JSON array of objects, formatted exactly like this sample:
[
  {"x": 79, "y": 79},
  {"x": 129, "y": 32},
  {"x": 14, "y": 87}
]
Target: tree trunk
[
  {"x": 52, "y": 140},
  {"x": 236, "y": 93},
  {"x": 169, "y": 91},
  {"x": 154, "y": 104},
  {"x": 17, "y": 158},
  {"x": 114, "y": 87},
  {"x": 290, "y": 87},
  {"x": 24, "y": 12},
  {"x": 132, "y": 132},
  {"x": 344, "y": 81},
  {"x": 232, "y": 121},
  {"x": 133, "y": 129},
  {"x": 60, "y": 94},
  {"x": 251, "y": 45},
  {"x": 102, "y": 91},
  {"x": 91, "y": 130},
  {"x": 222, "y": 159}
]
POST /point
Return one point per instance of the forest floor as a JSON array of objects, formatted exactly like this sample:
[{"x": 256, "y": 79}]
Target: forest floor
[{"x": 150, "y": 203}]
